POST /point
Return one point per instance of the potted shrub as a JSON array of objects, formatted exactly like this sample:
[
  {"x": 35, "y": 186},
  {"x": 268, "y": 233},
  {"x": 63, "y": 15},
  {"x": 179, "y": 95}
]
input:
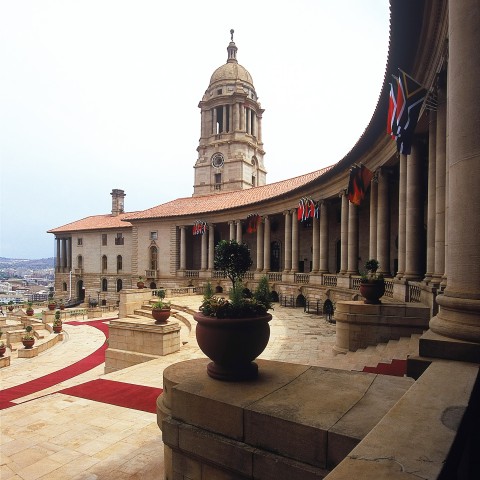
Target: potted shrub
[
  {"x": 51, "y": 303},
  {"x": 57, "y": 323},
  {"x": 372, "y": 284},
  {"x": 161, "y": 311},
  {"x": 140, "y": 283},
  {"x": 233, "y": 332},
  {"x": 28, "y": 338},
  {"x": 61, "y": 305},
  {"x": 29, "y": 310},
  {"x": 3, "y": 347},
  {"x": 10, "y": 306}
]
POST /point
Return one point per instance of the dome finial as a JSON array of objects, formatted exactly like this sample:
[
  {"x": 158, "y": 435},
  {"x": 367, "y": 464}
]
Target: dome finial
[{"x": 232, "y": 49}]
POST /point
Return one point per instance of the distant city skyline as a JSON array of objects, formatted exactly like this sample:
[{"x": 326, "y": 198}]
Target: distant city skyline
[{"x": 103, "y": 95}]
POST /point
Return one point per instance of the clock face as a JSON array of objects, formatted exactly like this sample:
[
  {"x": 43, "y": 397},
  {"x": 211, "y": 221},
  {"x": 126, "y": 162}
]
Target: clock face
[{"x": 217, "y": 160}]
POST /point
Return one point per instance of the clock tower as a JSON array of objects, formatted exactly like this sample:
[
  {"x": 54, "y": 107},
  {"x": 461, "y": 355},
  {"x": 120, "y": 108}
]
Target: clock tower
[{"x": 230, "y": 150}]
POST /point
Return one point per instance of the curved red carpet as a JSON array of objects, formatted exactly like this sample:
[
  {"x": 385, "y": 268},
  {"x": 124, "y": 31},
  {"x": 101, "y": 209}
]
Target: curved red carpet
[{"x": 121, "y": 394}]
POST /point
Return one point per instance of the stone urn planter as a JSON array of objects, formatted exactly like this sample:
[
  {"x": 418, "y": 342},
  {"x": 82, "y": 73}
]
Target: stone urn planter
[
  {"x": 372, "y": 291},
  {"x": 51, "y": 305},
  {"x": 161, "y": 315},
  {"x": 10, "y": 308},
  {"x": 3, "y": 349},
  {"x": 29, "y": 311},
  {"x": 232, "y": 344},
  {"x": 28, "y": 342}
]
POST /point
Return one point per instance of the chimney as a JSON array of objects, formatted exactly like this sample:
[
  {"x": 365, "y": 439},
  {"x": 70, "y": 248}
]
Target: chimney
[{"x": 117, "y": 201}]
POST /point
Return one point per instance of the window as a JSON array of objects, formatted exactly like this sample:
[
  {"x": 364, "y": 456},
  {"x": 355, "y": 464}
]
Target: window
[
  {"x": 253, "y": 180},
  {"x": 79, "y": 261},
  {"x": 153, "y": 235},
  {"x": 119, "y": 239},
  {"x": 104, "y": 263},
  {"x": 119, "y": 263},
  {"x": 153, "y": 258},
  {"x": 119, "y": 285},
  {"x": 64, "y": 286},
  {"x": 218, "y": 181},
  {"x": 79, "y": 242},
  {"x": 104, "y": 285},
  {"x": 104, "y": 239}
]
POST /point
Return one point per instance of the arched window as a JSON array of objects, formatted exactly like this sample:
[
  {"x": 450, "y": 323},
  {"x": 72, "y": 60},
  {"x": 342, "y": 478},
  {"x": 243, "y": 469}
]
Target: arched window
[
  {"x": 119, "y": 263},
  {"x": 79, "y": 261},
  {"x": 104, "y": 285},
  {"x": 64, "y": 286},
  {"x": 153, "y": 257},
  {"x": 104, "y": 263},
  {"x": 119, "y": 285}
]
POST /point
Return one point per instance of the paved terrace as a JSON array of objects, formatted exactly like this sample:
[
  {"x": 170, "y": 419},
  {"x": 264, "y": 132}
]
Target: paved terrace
[{"x": 52, "y": 436}]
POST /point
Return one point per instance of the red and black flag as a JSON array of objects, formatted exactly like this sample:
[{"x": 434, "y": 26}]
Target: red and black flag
[
  {"x": 410, "y": 98},
  {"x": 360, "y": 177},
  {"x": 252, "y": 222},
  {"x": 199, "y": 227}
]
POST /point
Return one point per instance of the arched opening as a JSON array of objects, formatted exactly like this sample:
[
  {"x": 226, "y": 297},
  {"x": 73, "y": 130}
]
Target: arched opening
[
  {"x": 104, "y": 263},
  {"x": 300, "y": 301},
  {"x": 218, "y": 289},
  {"x": 153, "y": 285},
  {"x": 80, "y": 291},
  {"x": 274, "y": 296},
  {"x": 64, "y": 286},
  {"x": 104, "y": 285},
  {"x": 328, "y": 309},
  {"x": 119, "y": 284}
]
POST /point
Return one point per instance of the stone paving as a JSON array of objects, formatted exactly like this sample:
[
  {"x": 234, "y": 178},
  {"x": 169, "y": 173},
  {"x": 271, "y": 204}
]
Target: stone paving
[{"x": 50, "y": 435}]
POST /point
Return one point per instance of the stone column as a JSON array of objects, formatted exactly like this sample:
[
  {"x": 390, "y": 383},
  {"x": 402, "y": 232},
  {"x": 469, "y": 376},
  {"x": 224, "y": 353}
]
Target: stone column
[
  {"x": 266, "y": 245},
  {"x": 344, "y": 235},
  {"x": 211, "y": 246},
  {"x": 231, "y": 230},
  {"x": 204, "y": 256},
  {"x": 352, "y": 266},
  {"x": 402, "y": 215},
  {"x": 259, "y": 129},
  {"x": 239, "y": 231},
  {"x": 58, "y": 262},
  {"x": 214, "y": 122},
  {"x": 459, "y": 312},
  {"x": 69, "y": 253},
  {"x": 294, "y": 241},
  {"x": 260, "y": 246},
  {"x": 414, "y": 222},
  {"x": 224, "y": 119},
  {"x": 183, "y": 248},
  {"x": 432, "y": 135},
  {"x": 64, "y": 253},
  {"x": 383, "y": 224},
  {"x": 372, "y": 244},
  {"x": 440, "y": 183},
  {"x": 323, "y": 267},
  {"x": 288, "y": 242},
  {"x": 315, "y": 244}
]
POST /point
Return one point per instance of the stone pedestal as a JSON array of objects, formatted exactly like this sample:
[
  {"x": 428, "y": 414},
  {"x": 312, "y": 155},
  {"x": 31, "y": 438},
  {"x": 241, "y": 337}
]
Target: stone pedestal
[
  {"x": 137, "y": 340},
  {"x": 294, "y": 422},
  {"x": 360, "y": 325}
]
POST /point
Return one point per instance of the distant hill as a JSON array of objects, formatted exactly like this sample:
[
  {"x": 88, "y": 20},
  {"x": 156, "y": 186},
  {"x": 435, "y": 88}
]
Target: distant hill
[{"x": 39, "y": 264}]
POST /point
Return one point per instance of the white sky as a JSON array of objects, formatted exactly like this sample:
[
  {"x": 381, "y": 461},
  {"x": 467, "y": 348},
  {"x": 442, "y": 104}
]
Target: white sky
[{"x": 103, "y": 94}]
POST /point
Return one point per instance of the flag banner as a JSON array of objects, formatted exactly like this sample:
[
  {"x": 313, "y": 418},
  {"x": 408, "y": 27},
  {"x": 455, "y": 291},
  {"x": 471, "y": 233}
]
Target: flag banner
[
  {"x": 307, "y": 208},
  {"x": 252, "y": 222},
  {"x": 410, "y": 98},
  {"x": 199, "y": 227},
  {"x": 392, "y": 109},
  {"x": 358, "y": 183}
]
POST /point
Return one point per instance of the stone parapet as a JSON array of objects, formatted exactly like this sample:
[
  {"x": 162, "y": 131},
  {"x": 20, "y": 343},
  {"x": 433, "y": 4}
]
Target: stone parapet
[
  {"x": 293, "y": 422},
  {"x": 360, "y": 325}
]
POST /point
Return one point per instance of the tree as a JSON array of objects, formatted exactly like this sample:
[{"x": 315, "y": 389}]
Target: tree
[{"x": 233, "y": 259}]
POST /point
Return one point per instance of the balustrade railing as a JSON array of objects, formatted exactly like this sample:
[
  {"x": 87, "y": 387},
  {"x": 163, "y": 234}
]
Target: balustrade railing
[
  {"x": 355, "y": 283},
  {"x": 389, "y": 288},
  {"x": 274, "y": 276},
  {"x": 191, "y": 273},
  {"x": 151, "y": 273},
  {"x": 218, "y": 274},
  {"x": 302, "y": 278},
  {"x": 413, "y": 293},
  {"x": 329, "y": 280}
]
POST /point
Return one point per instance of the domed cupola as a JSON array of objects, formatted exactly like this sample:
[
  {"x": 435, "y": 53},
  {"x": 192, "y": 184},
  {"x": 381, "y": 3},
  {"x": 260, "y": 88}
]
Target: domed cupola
[{"x": 230, "y": 151}]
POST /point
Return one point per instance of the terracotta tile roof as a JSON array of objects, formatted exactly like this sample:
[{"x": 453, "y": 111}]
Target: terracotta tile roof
[
  {"x": 218, "y": 202},
  {"x": 95, "y": 222}
]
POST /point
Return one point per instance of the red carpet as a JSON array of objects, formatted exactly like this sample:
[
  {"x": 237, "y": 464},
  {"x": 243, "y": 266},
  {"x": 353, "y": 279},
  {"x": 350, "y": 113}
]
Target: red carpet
[
  {"x": 121, "y": 394},
  {"x": 82, "y": 366},
  {"x": 398, "y": 368}
]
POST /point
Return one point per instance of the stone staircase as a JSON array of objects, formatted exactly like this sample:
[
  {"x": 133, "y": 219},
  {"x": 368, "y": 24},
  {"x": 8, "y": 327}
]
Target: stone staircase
[{"x": 377, "y": 358}]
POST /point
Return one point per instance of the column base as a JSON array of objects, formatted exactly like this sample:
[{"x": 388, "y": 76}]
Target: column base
[{"x": 433, "y": 345}]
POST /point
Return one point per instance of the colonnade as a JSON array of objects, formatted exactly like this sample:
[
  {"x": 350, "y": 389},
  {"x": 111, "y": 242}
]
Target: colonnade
[
  {"x": 231, "y": 118},
  {"x": 63, "y": 259}
]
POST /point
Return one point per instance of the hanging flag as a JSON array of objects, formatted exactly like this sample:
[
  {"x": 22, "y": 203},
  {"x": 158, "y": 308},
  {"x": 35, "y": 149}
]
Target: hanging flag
[
  {"x": 410, "y": 98},
  {"x": 300, "y": 209},
  {"x": 358, "y": 183},
  {"x": 252, "y": 222},
  {"x": 199, "y": 227},
  {"x": 392, "y": 109},
  {"x": 307, "y": 208}
]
